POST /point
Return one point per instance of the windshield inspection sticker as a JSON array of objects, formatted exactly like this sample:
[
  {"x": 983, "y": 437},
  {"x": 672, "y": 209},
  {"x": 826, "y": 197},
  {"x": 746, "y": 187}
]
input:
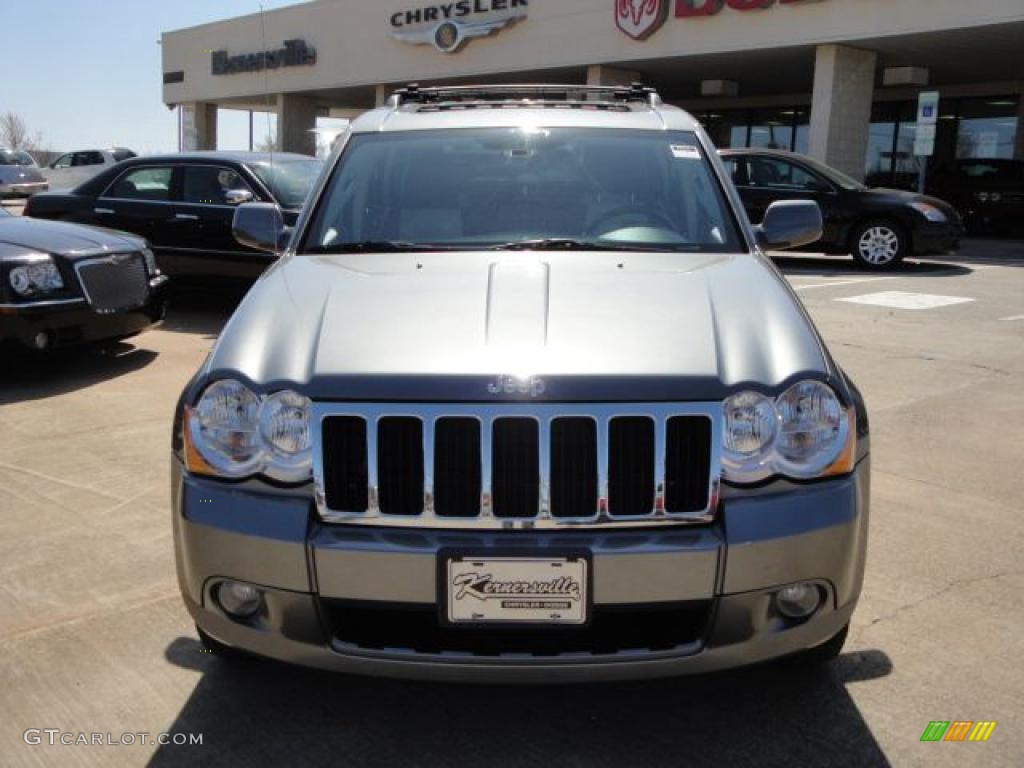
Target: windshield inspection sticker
[{"x": 685, "y": 152}]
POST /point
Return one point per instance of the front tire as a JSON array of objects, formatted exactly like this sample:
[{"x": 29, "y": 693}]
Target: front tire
[{"x": 879, "y": 244}]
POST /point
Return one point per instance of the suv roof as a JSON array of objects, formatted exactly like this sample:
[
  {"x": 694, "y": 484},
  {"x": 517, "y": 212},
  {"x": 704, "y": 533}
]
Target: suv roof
[{"x": 414, "y": 108}]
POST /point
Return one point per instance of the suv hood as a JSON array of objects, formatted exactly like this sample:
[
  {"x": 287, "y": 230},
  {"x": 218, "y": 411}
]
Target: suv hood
[{"x": 398, "y": 325}]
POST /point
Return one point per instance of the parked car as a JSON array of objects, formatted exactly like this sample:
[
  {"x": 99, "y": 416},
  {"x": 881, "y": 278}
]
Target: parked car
[
  {"x": 183, "y": 205},
  {"x": 988, "y": 193},
  {"x": 72, "y": 168},
  {"x": 878, "y": 227},
  {"x": 523, "y": 400},
  {"x": 19, "y": 174},
  {"x": 67, "y": 284}
]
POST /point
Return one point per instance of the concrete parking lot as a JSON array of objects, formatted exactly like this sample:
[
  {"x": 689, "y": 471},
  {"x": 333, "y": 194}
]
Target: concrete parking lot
[{"x": 94, "y": 638}]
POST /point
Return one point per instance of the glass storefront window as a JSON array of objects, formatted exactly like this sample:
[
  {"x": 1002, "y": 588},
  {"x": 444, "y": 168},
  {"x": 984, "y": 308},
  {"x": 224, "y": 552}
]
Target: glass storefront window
[
  {"x": 988, "y": 128},
  {"x": 727, "y": 128},
  {"x": 772, "y": 128}
]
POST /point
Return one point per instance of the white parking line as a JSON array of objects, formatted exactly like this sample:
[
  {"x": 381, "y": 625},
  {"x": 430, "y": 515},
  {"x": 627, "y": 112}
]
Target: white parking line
[
  {"x": 1011, "y": 319},
  {"x": 836, "y": 283},
  {"x": 905, "y": 300}
]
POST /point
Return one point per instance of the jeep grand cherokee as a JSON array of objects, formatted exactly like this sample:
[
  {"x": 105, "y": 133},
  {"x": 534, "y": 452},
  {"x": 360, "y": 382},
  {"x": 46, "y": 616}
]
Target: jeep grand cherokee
[{"x": 522, "y": 400}]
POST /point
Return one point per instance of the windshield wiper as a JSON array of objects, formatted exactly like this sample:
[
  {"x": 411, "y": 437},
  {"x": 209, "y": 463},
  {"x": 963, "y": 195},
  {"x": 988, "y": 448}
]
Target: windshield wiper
[
  {"x": 569, "y": 244},
  {"x": 376, "y": 246},
  {"x": 552, "y": 244}
]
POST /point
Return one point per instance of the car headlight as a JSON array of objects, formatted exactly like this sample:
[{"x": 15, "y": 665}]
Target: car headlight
[
  {"x": 150, "y": 258},
  {"x": 232, "y": 432},
  {"x": 812, "y": 429},
  {"x": 751, "y": 426},
  {"x": 981, "y": 196},
  {"x": 930, "y": 212},
  {"x": 804, "y": 433},
  {"x": 38, "y": 277},
  {"x": 284, "y": 430}
]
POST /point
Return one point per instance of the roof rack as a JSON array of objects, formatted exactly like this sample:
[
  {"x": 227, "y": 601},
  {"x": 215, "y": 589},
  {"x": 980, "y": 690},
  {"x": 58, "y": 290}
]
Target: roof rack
[{"x": 529, "y": 94}]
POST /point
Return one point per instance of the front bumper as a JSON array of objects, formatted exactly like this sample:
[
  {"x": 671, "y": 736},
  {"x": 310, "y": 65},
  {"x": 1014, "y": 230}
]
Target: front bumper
[
  {"x": 937, "y": 238},
  {"x": 761, "y": 540},
  {"x": 75, "y": 322},
  {"x": 23, "y": 188}
]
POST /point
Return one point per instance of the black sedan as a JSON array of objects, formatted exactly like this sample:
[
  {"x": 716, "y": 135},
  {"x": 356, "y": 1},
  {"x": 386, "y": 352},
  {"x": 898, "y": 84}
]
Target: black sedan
[
  {"x": 988, "y": 193},
  {"x": 64, "y": 284},
  {"x": 183, "y": 204},
  {"x": 877, "y": 226}
]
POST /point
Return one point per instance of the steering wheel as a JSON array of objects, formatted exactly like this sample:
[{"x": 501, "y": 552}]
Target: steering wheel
[{"x": 652, "y": 218}]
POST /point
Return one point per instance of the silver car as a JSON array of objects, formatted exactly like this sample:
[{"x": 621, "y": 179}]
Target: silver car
[
  {"x": 19, "y": 174},
  {"x": 522, "y": 400}
]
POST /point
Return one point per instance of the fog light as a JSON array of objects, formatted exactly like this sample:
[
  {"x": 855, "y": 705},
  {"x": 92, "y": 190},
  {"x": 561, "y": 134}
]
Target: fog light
[
  {"x": 239, "y": 600},
  {"x": 798, "y": 601},
  {"x": 41, "y": 340}
]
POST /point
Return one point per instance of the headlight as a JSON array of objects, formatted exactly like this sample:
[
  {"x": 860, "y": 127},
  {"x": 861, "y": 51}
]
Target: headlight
[
  {"x": 39, "y": 277},
  {"x": 751, "y": 425},
  {"x": 804, "y": 433},
  {"x": 232, "y": 432},
  {"x": 982, "y": 196},
  {"x": 995, "y": 197},
  {"x": 284, "y": 430},
  {"x": 151, "y": 266},
  {"x": 930, "y": 212},
  {"x": 223, "y": 428},
  {"x": 813, "y": 429}
]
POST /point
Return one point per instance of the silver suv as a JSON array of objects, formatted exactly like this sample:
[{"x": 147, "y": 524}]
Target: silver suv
[{"x": 523, "y": 400}]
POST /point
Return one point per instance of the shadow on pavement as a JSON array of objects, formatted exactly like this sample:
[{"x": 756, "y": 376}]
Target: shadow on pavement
[
  {"x": 202, "y": 309},
  {"x": 832, "y": 266},
  {"x": 254, "y": 712},
  {"x": 37, "y": 375}
]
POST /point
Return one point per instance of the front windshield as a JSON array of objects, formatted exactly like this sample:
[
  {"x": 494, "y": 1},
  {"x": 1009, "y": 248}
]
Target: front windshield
[
  {"x": 836, "y": 177},
  {"x": 8, "y": 157},
  {"x": 289, "y": 181},
  {"x": 509, "y": 187}
]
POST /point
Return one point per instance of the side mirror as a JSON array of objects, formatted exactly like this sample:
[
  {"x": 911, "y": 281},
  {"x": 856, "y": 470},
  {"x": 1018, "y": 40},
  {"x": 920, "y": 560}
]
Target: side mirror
[
  {"x": 238, "y": 196},
  {"x": 260, "y": 226},
  {"x": 789, "y": 224}
]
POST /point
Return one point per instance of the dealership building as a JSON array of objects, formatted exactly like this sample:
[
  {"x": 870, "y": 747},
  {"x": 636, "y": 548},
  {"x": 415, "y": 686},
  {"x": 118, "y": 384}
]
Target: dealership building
[{"x": 837, "y": 79}]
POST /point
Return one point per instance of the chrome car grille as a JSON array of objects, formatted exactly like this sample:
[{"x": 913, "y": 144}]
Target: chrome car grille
[
  {"x": 115, "y": 282},
  {"x": 519, "y": 465}
]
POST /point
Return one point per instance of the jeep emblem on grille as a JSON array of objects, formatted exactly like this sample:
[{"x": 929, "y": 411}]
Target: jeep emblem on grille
[{"x": 533, "y": 386}]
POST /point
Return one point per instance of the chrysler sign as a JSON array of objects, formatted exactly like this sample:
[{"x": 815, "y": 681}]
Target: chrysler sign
[
  {"x": 448, "y": 26},
  {"x": 642, "y": 18}
]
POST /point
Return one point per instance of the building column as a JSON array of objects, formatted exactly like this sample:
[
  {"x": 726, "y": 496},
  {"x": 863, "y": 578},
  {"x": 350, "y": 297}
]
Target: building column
[
  {"x": 599, "y": 74},
  {"x": 844, "y": 88},
  {"x": 382, "y": 93},
  {"x": 198, "y": 126},
  {"x": 296, "y": 121}
]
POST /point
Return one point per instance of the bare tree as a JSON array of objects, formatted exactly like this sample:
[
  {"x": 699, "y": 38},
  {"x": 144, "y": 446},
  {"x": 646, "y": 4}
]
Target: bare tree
[{"x": 14, "y": 134}]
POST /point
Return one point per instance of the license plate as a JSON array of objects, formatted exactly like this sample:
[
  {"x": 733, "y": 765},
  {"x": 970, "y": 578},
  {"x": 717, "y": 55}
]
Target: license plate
[{"x": 516, "y": 590}]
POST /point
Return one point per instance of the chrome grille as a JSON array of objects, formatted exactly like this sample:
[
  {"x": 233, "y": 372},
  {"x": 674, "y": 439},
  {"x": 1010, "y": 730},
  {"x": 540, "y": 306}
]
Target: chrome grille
[
  {"x": 516, "y": 466},
  {"x": 115, "y": 282}
]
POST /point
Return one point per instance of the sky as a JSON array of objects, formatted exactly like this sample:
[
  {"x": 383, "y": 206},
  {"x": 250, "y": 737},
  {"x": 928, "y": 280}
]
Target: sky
[{"x": 86, "y": 73}]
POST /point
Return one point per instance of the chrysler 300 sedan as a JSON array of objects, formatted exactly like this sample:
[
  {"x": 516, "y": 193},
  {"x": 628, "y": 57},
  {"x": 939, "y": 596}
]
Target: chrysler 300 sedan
[
  {"x": 67, "y": 284},
  {"x": 183, "y": 205},
  {"x": 523, "y": 400}
]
